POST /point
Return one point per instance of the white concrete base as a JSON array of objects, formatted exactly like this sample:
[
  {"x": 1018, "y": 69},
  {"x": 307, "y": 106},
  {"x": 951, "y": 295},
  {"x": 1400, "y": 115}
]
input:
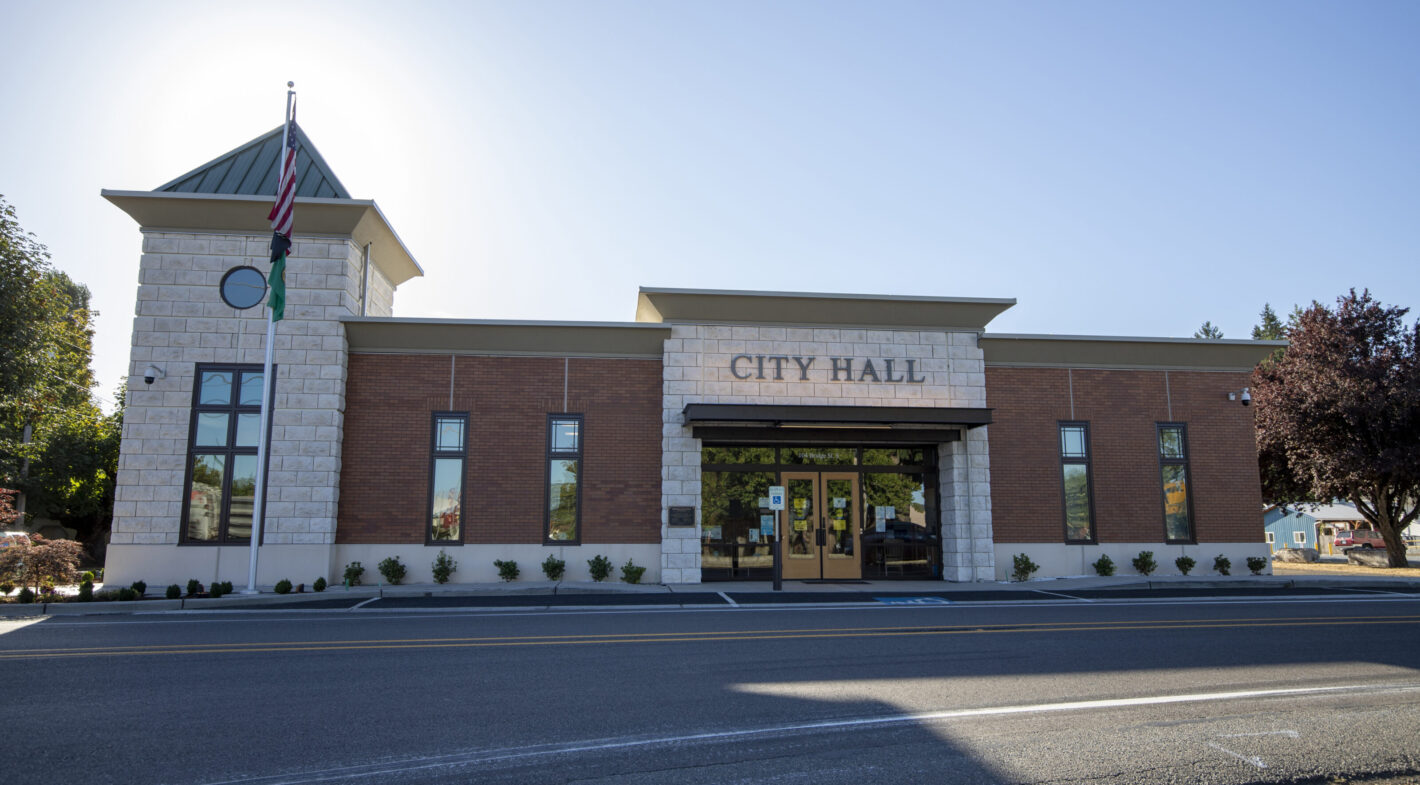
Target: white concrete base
[
  {"x": 475, "y": 562},
  {"x": 161, "y": 565},
  {"x": 1057, "y": 560}
]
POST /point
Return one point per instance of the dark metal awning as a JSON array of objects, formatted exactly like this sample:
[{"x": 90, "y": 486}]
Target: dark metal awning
[{"x": 822, "y": 424}]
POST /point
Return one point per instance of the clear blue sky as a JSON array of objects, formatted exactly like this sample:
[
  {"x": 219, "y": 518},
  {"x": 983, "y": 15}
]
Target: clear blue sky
[{"x": 1120, "y": 168}]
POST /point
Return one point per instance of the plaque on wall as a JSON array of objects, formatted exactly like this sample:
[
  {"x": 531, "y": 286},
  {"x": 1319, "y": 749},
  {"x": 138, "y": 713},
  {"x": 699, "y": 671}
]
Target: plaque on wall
[{"x": 681, "y": 516}]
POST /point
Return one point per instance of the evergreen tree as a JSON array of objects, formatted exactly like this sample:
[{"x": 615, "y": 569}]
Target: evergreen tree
[{"x": 1209, "y": 332}]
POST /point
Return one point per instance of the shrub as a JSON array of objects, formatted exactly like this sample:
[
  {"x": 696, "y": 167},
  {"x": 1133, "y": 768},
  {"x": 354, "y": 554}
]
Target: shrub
[
  {"x": 127, "y": 595},
  {"x": 1256, "y": 563},
  {"x": 1222, "y": 564},
  {"x": 393, "y": 570},
  {"x": 1104, "y": 566},
  {"x": 215, "y": 590},
  {"x": 42, "y": 563},
  {"x": 319, "y": 585},
  {"x": 353, "y": 571},
  {"x": 87, "y": 576},
  {"x": 1184, "y": 564},
  {"x": 27, "y": 595},
  {"x": 86, "y": 591},
  {"x": 631, "y": 573},
  {"x": 600, "y": 567},
  {"x": 553, "y": 567},
  {"x": 140, "y": 587},
  {"x": 1144, "y": 563},
  {"x": 283, "y": 586},
  {"x": 226, "y": 587},
  {"x": 174, "y": 592},
  {"x": 108, "y": 595},
  {"x": 1023, "y": 567},
  {"x": 193, "y": 587},
  {"x": 444, "y": 566},
  {"x": 6, "y": 587},
  {"x": 507, "y": 570}
]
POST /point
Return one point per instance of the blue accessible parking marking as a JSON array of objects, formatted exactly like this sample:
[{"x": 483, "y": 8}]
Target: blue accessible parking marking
[{"x": 913, "y": 600}]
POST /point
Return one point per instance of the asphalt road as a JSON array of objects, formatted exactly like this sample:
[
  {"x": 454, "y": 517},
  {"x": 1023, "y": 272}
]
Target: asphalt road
[{"x": 1199, "y": 692}]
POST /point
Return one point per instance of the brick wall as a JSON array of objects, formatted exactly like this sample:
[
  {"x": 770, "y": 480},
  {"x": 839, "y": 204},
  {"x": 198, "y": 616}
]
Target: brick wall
[
  {"x": 1122, "y": 407},
  {"x": 385, "y": 476}
]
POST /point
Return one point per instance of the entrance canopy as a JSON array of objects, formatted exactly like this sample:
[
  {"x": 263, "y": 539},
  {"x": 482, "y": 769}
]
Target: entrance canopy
[{"x": 782, "y": 424}]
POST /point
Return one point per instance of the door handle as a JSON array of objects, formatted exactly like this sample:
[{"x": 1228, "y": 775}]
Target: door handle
[{"x": 819, "y": 540}]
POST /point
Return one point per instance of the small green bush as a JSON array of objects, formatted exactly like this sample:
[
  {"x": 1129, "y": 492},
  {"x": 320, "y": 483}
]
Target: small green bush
[
  {"x": 553, "y": 567},
  {"x": 174, "y": 592},
  {"x": 87, "y": 576},
  {"x": 444, "y": 566},
  {"x": 86, "y": 591},
  {"x": 127, "y": 595},
  {"x": 393, "y": 570},
  {"x": 107, "y": 595},
  {"x": 1184, "y": 564},
  {"x": 1256, "y": 563},
  {"x": 319, "y": 585},
  {"x": 1222, "y": 564},
  {"x": 140, "y": 587},
  {"x": 507, "y": 570},
  {"x": 1144, "y": 563},
  {"x": 226, "y": 587},
  {"x": 1104, "y": 566},
  {"x": 193, "y": 587},
  {"x": 631, "y": 573},
  {"x": 600, "y": 567},
  {"x": 27, "y": 595},
  {"x": 215, "y": 590},
  {"x": 283, "y": 586},
  {"x": 1023, "y": 567},
  {"x": 353, "y": 571}
]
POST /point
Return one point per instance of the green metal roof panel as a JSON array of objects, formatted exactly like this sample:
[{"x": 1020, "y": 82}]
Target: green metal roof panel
[{"x": 250, "y": 170}]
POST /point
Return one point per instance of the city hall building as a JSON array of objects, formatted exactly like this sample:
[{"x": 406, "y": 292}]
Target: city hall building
[{"x": 911, "y": 441}]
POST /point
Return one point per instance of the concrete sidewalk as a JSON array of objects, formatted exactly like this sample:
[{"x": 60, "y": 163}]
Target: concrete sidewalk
[{"x": 532, "y": 594}]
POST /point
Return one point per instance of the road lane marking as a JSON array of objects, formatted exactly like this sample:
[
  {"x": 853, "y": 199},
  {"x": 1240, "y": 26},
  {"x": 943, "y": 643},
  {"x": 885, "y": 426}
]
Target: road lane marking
[
  {"x": 1254, "y": 760},
  {"x": 691, "y": 636},
  {"x": 726, "y": 597},
  {"x": 1058, "y": 594},
  {"x": 1291, "y": 734},
  {"x": 615, "y": 744}
]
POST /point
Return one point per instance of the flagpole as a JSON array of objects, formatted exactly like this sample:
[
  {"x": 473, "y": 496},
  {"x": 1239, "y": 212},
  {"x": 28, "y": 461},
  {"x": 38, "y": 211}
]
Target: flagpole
[{"x": 268, "y": 383}]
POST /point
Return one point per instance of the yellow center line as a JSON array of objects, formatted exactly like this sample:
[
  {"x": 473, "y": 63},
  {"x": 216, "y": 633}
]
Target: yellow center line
[{"x": 692, "y": 637}]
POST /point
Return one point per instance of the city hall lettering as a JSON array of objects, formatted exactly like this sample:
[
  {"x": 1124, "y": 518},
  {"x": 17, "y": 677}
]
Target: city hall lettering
[{"x": 842, "y": 369}]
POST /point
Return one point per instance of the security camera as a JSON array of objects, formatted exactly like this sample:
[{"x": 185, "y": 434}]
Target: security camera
[
  {"x": 1246, "y": 397},
  {"x": 151, "y": 373}
]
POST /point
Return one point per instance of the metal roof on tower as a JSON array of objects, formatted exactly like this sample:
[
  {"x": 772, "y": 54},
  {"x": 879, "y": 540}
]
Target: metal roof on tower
[{"x": 250, "y": 170}]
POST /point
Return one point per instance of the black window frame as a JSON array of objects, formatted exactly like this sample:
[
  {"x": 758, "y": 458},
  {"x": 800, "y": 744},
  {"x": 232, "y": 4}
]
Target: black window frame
[
  {"x": 233, "y": 407},
  {"x": 1187, "y": 484},
  {"x": 552, "y": 454},
  {"x": 435, "y": 455},
  {"x": 1088, "y": 462}
]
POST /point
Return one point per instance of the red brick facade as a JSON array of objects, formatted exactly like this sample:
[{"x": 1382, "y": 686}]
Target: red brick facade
[
  {"x": 1122, "y": 408},
  {"x": 384, "y": 480}
]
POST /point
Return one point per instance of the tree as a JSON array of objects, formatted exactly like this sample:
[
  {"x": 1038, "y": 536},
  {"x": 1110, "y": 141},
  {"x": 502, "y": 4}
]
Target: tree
[
  {"x": 1270, "y": 328},
  {"x": 56, "y": 445},
  {"x": 1209, "y": 332},
  {"x": 1338, "y": 414},
  {"x": 43, "y": 563}
]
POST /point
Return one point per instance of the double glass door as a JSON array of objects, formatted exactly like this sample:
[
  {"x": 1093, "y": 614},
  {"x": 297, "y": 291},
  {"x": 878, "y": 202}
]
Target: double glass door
[{"x": 821, "y": 525}]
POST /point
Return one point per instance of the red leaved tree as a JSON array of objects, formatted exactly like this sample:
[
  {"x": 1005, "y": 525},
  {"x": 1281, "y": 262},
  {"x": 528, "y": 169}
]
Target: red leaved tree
[
  {"x": 43, "y": 563},
  {"x": 1338, "y": 414}
]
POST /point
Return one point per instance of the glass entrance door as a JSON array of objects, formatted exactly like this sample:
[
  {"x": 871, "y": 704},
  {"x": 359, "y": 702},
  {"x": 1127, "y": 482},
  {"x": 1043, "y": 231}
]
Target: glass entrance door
[{"x": 821, "y": 525}]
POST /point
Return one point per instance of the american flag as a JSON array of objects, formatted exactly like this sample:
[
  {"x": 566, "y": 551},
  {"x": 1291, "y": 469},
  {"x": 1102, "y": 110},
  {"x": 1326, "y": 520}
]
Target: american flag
[{"x": 283, "y": 213}]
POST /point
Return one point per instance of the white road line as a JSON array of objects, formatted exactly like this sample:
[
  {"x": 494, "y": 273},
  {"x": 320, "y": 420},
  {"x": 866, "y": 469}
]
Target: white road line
[
  {"x": 1291, "y": 734},
  {"x": 485, "y": 756},
  {"x": 1254, "y": 760},
  {"x": 732, "y": 603},
  {"x": 1058, "y": 594},
  {"x": 360, "y": 605}
]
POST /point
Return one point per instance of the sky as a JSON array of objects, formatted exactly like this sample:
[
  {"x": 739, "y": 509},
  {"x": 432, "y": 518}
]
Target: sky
[{"x": 1119, "y": 168}]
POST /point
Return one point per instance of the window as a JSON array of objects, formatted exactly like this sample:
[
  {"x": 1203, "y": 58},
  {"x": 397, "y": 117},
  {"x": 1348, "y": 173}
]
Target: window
[
  {"x": 1075, "y": 480},
  {"x": 564, "y": 468},
  {"x": 221, "y": 447},
  {"x": 448, "y": 448},
  {"x": 1173, "y": 470},
  {"x": 1269, "y": 538},
  {"x": 1299, "y": 537}
]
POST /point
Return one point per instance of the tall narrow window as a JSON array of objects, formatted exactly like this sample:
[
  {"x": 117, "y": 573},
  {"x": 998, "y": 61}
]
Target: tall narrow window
[
  {"x": 449, "y": 448},
  {"x": 1075, "y": 479},
  {"x": 221, "y": 448},
  {"x": 1173, "y": 470},
  {"x": 564, "y": 469}
]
